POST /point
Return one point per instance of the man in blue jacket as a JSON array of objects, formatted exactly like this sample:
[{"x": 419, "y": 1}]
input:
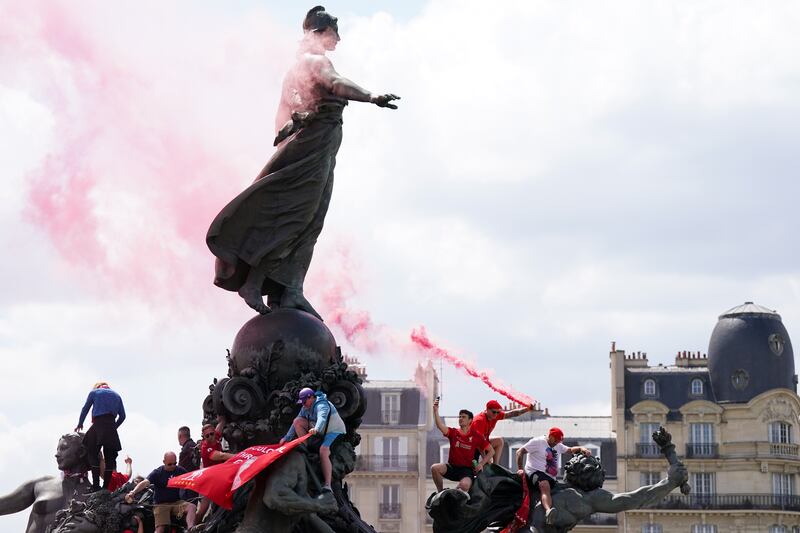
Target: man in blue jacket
[
  {"x": 317, "y": 416},
  {"x": 108, "y": 413}
]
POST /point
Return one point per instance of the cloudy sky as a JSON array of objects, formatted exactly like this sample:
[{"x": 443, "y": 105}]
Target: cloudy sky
[{"x": 559, "y": 175}]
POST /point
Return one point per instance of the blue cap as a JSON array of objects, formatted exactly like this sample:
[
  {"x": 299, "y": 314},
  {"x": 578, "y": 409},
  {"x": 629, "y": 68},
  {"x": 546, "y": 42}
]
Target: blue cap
[{"x": 304, "y": 394}]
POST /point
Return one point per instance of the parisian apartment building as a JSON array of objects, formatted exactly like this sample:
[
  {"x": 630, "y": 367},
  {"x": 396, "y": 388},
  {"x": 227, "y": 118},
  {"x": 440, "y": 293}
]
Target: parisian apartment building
[{"x": 732, "y": 412}]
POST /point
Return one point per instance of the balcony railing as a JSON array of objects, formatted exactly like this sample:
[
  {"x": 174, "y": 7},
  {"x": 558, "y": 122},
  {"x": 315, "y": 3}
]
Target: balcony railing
[
  {"x": 647, "y": 449},
  {"x": 783, "y": 502},
  {"x": 389, "y": 510},
  {"x": 387, "y": 463},
  {"x": 698, "y": 450},
  {"x": 600, "y": 519},
  {"x": 390, "y": 417},
  {"x": 783, "y": 449}
]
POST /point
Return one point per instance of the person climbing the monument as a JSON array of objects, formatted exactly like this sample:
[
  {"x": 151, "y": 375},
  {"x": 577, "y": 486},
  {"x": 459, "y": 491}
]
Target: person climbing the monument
[
  {"x": 167, "y": 501},
  {"x": 542, "y": 463},
  {"x": 317, "y": 416},
  {"x": 108, "y": 414},
  {"x": 211, "y": 454},
  {"x": 485, "y": 422},
  {"x": 465, "y": 442}
]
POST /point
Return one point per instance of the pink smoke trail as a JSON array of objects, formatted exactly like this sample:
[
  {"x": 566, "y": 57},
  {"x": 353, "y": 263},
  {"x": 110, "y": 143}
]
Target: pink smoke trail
[{"x": 420, "y": 338}]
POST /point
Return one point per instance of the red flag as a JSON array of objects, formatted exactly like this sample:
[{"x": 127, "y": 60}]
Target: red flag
[
  {"x": 521, "y": 516},
  {"x": 219, "y": 482}
]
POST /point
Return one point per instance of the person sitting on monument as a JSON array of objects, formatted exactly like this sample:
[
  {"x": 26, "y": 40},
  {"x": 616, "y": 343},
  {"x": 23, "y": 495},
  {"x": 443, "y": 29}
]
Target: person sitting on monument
[
  {"x": 108, "y": 413},
  {"x": 542, "y": 464},
  {"x": 485, "y": 421},
  {"x": 465, "y": 442},
  {"x": 118, "y": 479},
  {"x": 211, "y": 454},
  {"x": 167, "y": 502},
  {"x": 317, "y": 416}
]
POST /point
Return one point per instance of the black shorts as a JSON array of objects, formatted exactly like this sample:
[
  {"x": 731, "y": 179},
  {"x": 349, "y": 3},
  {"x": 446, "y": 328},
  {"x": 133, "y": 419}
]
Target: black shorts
[
  {"x": 538, "y": 476},
  {"x": 457, "y": 473}
]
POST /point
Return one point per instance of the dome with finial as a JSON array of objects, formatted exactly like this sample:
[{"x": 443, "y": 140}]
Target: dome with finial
[{"x": 749, "y": 353}]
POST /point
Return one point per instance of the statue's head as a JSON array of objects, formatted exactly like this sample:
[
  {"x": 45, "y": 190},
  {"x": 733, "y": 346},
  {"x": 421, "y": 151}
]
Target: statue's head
[
  {"x": 71, "y": 454},
  {"x": 321, "y": 25},
  {"x": 585, "y": 472}
]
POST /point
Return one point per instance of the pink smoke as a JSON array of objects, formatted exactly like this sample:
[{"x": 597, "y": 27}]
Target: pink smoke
[
  {"x": 150, "y": 136},
  {"x": 420, "y": 338}
]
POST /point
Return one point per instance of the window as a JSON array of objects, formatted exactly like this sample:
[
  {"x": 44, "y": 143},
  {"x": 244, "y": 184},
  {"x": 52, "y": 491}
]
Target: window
[
  {"x": 646, "y": 447},
  {"x": 594, "y": 448},
  {"x": 780, "y": 433},
  {"x": 649, "y": 387},
  {"x": 783, "y": 484},
  {"x": 697, "y": 387},
  {"x": 701, "y": 440},
  {"x": 651, "y": 528},
  {"x": 391, "y": 451},
  {"x": 390, "y": 502},
  {"x": 444, "y": 452},
  {"x": 703, "y": 483},
  {"x": 390, "y": 407},
  {"x": 512, "y": 456},
  {"x": 704, "y": 528},
  {"x": 777, "y": 529},
  {"x": 649, "y": 478},
  {"x": 646, "y": 430}
]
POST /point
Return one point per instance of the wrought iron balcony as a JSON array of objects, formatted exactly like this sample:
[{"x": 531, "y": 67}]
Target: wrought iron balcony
[
  {"x": 600, "y": 519},
  {"x": 647, "y": 449},
  {"x": 389, "y": 510},
  {"x": 782, "y": 502},
  {"x": 783, "y": 449},
  {"x": 390, "y": 417},
  {"x": 387, "y": 463},
  {"x": 699, "y": 450}
]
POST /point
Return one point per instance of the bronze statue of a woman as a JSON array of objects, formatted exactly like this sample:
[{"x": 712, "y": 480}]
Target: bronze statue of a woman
[{"x": 264, "y": 238}]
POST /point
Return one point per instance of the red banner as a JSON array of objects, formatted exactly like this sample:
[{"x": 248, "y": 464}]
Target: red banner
[
  {"x": 521, "y": 516},
  {"x": 219, "y": 482}
]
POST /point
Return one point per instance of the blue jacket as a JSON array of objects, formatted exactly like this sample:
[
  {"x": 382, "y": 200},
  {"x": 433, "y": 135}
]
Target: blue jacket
[
  {"x": 103, "y": 402},
  {"x": 317, "y": 415}
]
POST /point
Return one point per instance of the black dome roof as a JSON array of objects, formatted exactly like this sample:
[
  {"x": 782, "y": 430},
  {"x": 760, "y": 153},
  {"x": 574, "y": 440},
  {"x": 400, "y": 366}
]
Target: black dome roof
[{"x": 749, "y": 353}]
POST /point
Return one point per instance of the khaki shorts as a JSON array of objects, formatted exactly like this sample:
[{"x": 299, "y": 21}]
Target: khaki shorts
[{"x": 163, "y": 512}]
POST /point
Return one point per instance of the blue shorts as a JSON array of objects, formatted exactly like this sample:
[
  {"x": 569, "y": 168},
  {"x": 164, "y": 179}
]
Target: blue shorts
[{"x": 329, "y": 438}]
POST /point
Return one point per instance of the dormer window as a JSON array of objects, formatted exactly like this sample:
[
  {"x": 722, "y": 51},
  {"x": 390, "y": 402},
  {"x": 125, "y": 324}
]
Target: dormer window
[
  {"x": 697, "y": 387},
  {"x": 649, "y": 387}
]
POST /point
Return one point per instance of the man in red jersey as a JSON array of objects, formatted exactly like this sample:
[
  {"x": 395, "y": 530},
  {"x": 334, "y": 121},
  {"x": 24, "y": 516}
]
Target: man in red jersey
[
  {"x": 117, "y": 478},
  {"x": 464, "y": 442},
  {"x": 485, "y": 422},
  {"x": 211, "y": 454}
]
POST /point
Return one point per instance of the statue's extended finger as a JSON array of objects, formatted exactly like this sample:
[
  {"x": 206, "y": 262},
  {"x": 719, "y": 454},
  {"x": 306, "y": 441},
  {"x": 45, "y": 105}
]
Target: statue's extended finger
[{"x": 391, "y": 106}]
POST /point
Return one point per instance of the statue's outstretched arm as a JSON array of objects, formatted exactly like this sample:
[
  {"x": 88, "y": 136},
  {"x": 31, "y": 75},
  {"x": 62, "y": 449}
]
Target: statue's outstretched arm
[
  {"x": 20, "y": 499},
  {"x": 607, "y": 502},
  {"x": 345, "y": 88}
]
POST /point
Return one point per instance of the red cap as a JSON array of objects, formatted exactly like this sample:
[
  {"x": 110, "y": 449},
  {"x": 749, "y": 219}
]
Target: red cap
[
  {"x": 494, "y": 404},
  {"x": 557, "y": 433}
]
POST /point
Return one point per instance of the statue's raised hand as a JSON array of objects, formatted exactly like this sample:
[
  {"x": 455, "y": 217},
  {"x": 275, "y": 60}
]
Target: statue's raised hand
[{"x": 383, "y": 100}]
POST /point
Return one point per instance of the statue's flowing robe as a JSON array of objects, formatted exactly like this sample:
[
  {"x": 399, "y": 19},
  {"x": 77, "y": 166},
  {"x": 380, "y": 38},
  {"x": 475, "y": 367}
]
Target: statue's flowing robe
[{"x": 278, "y": 218}]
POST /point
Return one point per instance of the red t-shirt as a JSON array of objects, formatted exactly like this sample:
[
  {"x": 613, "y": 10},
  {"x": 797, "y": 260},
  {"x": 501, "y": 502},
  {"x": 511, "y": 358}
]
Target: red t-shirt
[
  {"x": 483, "y": 425},
  {"x": 207, "y": 449},
  {"x": 117, "y": 480},
  {"x": 462, "y": 447}
]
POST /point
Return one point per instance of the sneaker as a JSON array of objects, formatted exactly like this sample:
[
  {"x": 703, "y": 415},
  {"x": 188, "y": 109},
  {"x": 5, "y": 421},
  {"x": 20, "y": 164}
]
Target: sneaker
[
  {"x": 465, "y": 493},
  {"x": 327, "y": 488},
  {"x": 550, "y": 516}
]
